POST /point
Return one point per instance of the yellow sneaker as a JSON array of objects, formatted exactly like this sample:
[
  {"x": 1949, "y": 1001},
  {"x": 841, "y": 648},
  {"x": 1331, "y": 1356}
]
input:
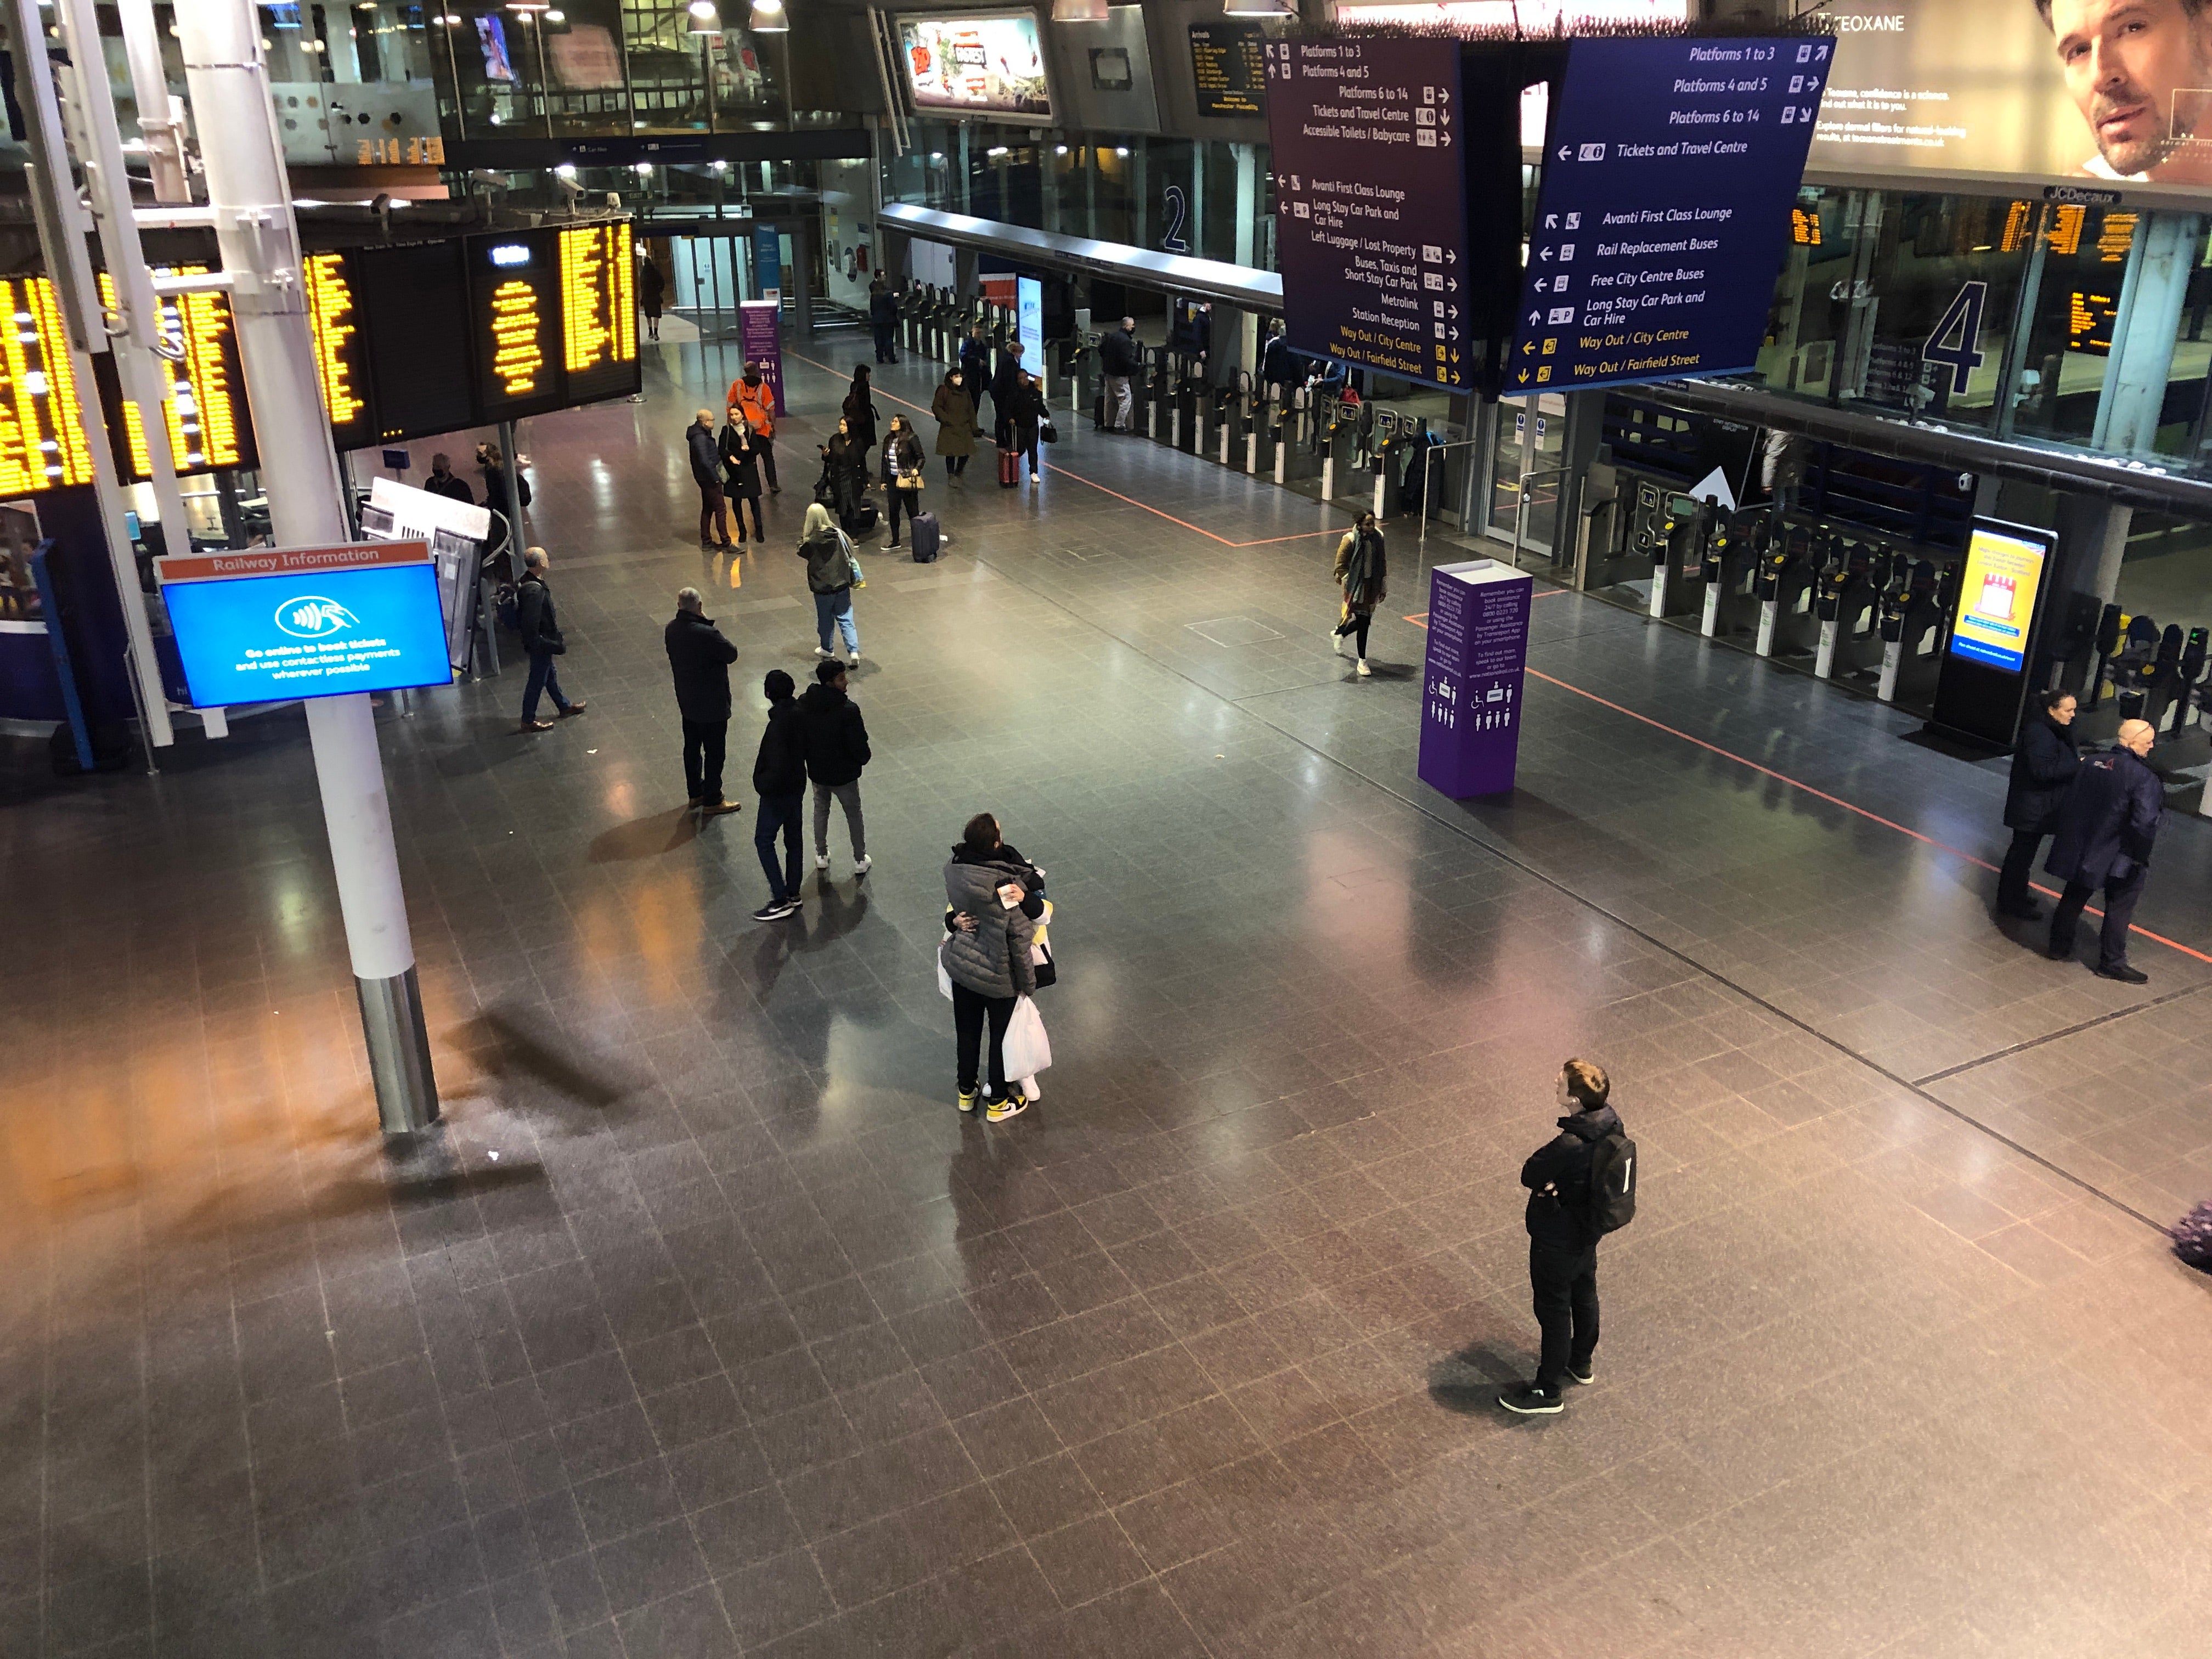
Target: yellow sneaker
[{"x": 968, "y": 1100}]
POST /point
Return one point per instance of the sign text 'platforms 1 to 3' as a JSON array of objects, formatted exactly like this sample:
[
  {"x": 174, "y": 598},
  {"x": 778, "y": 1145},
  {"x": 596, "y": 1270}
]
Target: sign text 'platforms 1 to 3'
[
  {"x": 1668, "y": 174},
  {"x": 1370, "y": 206}
]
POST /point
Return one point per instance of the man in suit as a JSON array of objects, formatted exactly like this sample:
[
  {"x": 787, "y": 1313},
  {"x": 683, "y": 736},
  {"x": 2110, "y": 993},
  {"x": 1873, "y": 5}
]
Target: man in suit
[{"x": 2105, "y": 834}]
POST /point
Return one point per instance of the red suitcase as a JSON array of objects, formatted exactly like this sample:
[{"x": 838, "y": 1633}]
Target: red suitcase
[{"x": 1010, "y": 468}]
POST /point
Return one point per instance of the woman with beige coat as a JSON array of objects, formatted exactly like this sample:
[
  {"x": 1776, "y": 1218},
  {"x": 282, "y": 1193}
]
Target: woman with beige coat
[{"x": 1363, "y": 575}]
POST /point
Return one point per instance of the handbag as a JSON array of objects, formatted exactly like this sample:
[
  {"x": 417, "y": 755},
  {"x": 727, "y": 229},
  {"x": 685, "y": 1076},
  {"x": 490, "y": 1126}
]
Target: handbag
[
  {"x": 1040, "y": 962},
  {"x": 1047, "y": 433}
]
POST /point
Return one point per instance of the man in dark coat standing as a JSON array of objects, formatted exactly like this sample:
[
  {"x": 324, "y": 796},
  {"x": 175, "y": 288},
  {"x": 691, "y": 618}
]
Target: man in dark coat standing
[
  {"x": 705, "y": 455},
  {"x": 1563, "y": 1241},
  {"x": 780, "y": 781},
  {"x": 2043, "y": 768},
  {"x": 700, "y": 658},
  {"x": 883, "y": 320},
  {"x": 2105, "y": 834},
  {"x": 1121, "y": 360}
]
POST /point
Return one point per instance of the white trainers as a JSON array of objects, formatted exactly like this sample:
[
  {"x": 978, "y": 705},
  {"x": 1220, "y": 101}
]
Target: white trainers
[
  {"x": 825, "y": 655},
  {"x": 1364, "y": 670},
  {"x": 860, "y": 865},
  {"x": 1336, "y": 641},
  {"x": 822, "y": 861},
  {"x": 854, "y": 658}
]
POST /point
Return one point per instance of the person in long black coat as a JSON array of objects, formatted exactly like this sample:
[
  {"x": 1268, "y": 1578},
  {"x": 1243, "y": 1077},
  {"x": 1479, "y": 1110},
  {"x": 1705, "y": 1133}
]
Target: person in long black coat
[
  {"x": 2103, "y": 840},
  {"x": 699, "y": 659},
  {"x": 860, "y": 413},
  {"x": 2043, "y": 768},
  {"x": 1006, "y": 392}
]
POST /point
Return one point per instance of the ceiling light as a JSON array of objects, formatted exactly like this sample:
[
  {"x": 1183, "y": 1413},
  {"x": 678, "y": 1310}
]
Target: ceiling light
[
  {"x": 995, "y": 151},
  {"x": 1078, "y": 11},
  {"x": 556, "y": 16},
  {"x": 565, "y": 170},
  {"x": 644, "y": 169},
  {"x": 1120, "y": 149},
  {"x": 768, "y": 17},
  {"x": 1060, "y": 149}
]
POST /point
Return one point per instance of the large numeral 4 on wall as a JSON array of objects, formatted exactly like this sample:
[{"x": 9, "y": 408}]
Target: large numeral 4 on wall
[{"x": 1952, "y": 342}]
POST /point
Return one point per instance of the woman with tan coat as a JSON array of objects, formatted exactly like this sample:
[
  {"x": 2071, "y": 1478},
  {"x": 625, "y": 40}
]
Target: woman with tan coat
[{"x": 1363, "y": 573}]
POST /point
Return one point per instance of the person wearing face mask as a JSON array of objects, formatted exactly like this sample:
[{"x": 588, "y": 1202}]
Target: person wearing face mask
[
  {"x": 2043, "y": 768},
  {"x": 752, "y": 397},
  {"x": 954, "y": 408}
]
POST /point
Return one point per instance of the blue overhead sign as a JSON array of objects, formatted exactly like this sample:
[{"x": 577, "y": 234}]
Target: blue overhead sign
[
  {"x": 1669, "y": 170},
  {"x": 1370, "y": 217},
  {"x": 307, "y": 632}
]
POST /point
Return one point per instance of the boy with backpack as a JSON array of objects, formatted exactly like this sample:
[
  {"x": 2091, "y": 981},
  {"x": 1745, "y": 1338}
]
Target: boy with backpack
[{"x": 1581, "y": 1186}]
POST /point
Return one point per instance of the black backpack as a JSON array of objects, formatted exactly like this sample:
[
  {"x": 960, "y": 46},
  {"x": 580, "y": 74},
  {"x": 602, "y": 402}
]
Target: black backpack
[{"x": 1611, "y": 1184}]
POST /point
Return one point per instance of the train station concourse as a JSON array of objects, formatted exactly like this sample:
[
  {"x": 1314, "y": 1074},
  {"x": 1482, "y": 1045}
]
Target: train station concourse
[{"x": 1282, "y": 831}]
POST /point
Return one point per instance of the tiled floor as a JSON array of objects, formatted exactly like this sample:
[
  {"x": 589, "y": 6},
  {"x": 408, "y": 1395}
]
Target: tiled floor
[{"x": 706, "y": 1326}]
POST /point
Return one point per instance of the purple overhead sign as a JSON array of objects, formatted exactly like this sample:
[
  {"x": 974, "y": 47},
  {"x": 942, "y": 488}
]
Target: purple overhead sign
[
  {"x": 758, "y": 334},
  {"x": 1471, "y": 681}
]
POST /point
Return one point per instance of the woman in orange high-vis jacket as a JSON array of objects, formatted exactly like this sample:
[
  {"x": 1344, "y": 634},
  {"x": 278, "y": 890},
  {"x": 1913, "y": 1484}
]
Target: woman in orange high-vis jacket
[{"x": 752, "y": 397}]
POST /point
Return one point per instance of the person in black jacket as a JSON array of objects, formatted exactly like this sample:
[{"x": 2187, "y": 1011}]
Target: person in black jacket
[
  {"x": 2103, "y": 839},
  {"x": 780, "y": 781},
  {"x": 441, "y": 481},
  {"x": 2042, "y": 768},
  {"x": 1006, "y": 392},
  {"x": 883, "y": 320},
  {"x": 1563, "y": 1240},
  {"x": 540, "y": 627},
  {"x": 836, "y": 741},
  {"x": 859, "y": 411},
  {"x": 652, "y": 289},
  {"x": 1028, "y": 413},
  {"x": 902, "y": 459},
  {"x": 743, "y": 459},
  {"x": 706, "y": 473},
  {"x": 975, "y": 366},
  {"x": 1120, "y": 358},
  {"x": 700, "y": 658}
]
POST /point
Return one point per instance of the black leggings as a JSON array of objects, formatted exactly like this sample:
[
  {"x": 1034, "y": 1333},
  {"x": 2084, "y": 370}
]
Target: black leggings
[
  {"x": 969, "y": 1009},
  {"x": 1356, "y": 624},
  {"x": 955, "y": 466}
]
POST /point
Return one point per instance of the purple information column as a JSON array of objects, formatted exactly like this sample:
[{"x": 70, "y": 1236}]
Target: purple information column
[
  {"x": 1471, "y": 684},
  {"x": 759, "y": 334}
]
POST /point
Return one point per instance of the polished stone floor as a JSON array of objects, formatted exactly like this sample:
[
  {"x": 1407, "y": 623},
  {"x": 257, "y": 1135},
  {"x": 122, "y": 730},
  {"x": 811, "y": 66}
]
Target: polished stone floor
[{"x": 706, "y": 1326}]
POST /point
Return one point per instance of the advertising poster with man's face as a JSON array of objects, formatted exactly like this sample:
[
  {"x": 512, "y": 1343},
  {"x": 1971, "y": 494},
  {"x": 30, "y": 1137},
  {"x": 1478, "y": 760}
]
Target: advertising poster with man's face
[{"x": 2014, "y": 89}]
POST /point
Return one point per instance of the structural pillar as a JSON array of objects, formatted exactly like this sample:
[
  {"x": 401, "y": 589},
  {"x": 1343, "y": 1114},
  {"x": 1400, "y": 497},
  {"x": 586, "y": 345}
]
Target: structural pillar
[
  {"x": 2159, "y": 266},
  {"x": 260, "y": 244}
]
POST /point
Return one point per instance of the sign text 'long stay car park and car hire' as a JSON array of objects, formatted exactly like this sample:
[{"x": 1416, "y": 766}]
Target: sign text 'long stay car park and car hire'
[
  {"x": 269, "y": 624},
  {"x": 1372, "y": 203},
  {"x": 1669, "y": 170}
]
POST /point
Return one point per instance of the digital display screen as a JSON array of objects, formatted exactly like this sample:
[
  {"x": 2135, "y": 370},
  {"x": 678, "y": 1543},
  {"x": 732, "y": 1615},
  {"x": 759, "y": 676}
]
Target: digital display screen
[
  {"x": 515, "y": 281},
  {"x": 1997, "y": 599},
  {"x": 1228, "y": 64},
  {"x": 491, "y": 42},
  {"x": 975, "y": 66},
  {"x": 341, "y": 363},
  {"x": 599, "y": 312},
  {"x": 206, "y": 409},
  {"x": 42, "y": 441},
  {"x": 268, "y": 639},
  {"x": 415, "y": 318}
]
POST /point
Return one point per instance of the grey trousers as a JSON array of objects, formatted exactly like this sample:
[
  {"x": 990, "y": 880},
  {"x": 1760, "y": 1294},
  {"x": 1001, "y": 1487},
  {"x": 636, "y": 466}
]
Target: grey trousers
[{"x": 849, "y": 796}]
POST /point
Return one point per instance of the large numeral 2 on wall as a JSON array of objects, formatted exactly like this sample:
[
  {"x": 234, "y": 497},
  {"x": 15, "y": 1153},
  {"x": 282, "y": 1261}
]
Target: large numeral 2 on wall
[
  {"x": 1963, "y": 319},
  {"x": 1178, "y": 210}
]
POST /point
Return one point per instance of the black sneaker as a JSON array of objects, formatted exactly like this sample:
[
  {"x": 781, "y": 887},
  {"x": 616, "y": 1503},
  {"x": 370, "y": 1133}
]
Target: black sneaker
[
  {"x": 774, "y": 912},
  {"x": 1529, "y": 1401},
  {"x": 2122, "y": 972},
  {"x": 1586, "y": 1376}
]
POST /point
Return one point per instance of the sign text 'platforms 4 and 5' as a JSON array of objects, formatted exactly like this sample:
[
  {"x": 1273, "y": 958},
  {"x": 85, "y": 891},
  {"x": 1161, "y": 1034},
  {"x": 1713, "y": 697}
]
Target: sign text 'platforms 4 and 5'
[
  {"x": 269, "y": 624},
  {"x": 1372, "y": 203},
  {"x": 1668, "y": 174}
]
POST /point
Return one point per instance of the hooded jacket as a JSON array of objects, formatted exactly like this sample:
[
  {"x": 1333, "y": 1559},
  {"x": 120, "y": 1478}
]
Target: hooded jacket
[
  {"x": 699, "y": 657},
  {"x": 2109, "y": 820},
  {"x": 829, "y": 561},
  {"x": 955, "y": 409},
  {"x": 780, "y": 768},
  {"x": 706, "y": 461},
  {"x": 1561, "y": 1218},
  {"x": 2042, "y": 767},
  {"x": 836, "y": 738},
  {"x": 993, "y": 959}
]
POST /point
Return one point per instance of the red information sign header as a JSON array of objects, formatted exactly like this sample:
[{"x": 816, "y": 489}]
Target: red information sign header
[{"x": 289, "y": 560}]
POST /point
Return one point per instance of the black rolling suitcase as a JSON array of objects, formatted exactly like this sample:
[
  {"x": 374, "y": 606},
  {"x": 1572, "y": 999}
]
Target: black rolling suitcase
[{"x": 926, "y": 537}]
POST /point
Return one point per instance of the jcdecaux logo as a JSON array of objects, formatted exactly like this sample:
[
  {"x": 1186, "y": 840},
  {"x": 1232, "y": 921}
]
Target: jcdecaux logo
[{"x": 312, "y": 618}]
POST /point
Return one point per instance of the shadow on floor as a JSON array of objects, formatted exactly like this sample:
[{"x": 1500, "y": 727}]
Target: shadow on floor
[
  {"x": 646, "y": 837},
  {"x": 1469, "y": 1381}
]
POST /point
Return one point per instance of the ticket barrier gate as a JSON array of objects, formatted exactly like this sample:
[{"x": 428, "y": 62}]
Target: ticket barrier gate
[
  {"x": 1679, "y": 538},
  {"x": 1913, "y": 606},
  {"x": 1158, "y": 392},
  {"x": 1788, "y": 565},
  {"x": 1730, "y": 574},
  {"x": 1233, "y": 420},
  {"x": 1849, "y": 604},
  {"x": 1187, "y": 415}
]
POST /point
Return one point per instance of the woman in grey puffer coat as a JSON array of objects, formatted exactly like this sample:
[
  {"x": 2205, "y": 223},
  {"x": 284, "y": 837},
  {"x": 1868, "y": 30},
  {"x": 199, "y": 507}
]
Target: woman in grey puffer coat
[{"x": 993, "y": 898}]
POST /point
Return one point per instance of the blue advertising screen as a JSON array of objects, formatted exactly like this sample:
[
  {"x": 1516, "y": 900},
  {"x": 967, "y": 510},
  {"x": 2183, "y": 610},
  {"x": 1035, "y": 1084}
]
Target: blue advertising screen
[
  {"x": 1370, "y": 222},
  {"x": 1029, "y": 320},
  {"x": 269, "y": 639},
  {"x": 1669, "y": 169}
]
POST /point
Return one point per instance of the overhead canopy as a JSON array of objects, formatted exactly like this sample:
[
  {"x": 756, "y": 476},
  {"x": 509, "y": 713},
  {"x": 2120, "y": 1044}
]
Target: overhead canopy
[{"x": 1206, "y": 279}]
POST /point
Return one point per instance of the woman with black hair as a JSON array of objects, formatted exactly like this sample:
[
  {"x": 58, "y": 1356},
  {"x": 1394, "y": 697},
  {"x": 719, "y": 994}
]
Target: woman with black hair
[
  {"x": 903, "y": 465},
  {"x": 993, "y": 898},
  {"x": 859, "y": 412}
]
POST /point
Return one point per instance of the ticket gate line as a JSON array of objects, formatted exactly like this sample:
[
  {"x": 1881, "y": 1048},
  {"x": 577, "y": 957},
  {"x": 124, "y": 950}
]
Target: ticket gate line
[
  {"x": 1053, "y": 467},
  {"x": 1832, "y": 800}
]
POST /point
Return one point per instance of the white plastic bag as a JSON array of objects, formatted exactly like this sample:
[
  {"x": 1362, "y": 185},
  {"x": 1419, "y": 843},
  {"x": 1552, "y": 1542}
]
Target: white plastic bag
[{"x": 1025, "y": 1051}]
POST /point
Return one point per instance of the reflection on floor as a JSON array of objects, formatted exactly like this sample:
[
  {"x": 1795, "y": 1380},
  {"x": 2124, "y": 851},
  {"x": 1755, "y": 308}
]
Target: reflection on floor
[{"x": 706, "y": 1325}]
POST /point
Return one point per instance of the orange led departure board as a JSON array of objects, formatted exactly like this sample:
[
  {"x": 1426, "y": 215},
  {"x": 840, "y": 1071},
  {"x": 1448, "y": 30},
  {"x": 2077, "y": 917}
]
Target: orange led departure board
[
  {"x": 598, "y": 311},
  {"x": 515, "y": 280},
  {"x": 340, "y": 362},
  {"x": 205, "y": 414},
  {"x": 42, "y": 441}
]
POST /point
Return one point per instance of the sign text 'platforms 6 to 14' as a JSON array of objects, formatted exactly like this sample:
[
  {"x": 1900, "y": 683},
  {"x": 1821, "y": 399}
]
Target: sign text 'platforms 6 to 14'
[
  {"x": 1372, "y": 203},
  {"x": 1669, "y": 171}
]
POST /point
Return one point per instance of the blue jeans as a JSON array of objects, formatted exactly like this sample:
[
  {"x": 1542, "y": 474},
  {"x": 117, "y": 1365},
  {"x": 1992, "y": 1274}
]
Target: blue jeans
[
  {"x": 542, "y": 678},
  {"x": 836, "y": 608},
  {"x": 778, "y": 814}
]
